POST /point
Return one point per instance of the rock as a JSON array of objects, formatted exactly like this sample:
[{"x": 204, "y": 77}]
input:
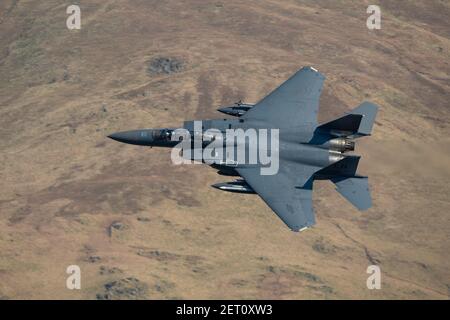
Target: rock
[
  {"x": 109, "y": 270},
  {"x": 118, "y": 226},
  {"x": 239, "y": 283},
  {"x": 124, "y": 289},
  {"x": 162, "y": 286},
  {"x": 66, "y": 76},
  {"x": 326, "y": 289},
  {"x": 93, "y": 259},
  {"x": 309, "y": 276},
  {"x": 323, "y": 246},
  {"x": 164, "y": 65},
  {"x": 295, "y": 273},
  {"x": 158, "y": 255}
]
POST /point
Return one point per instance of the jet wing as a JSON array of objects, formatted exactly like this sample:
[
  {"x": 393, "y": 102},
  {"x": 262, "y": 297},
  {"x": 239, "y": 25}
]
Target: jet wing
[
  {"x": 294, "y": 103},
  {"x": 288, "y": 193}
]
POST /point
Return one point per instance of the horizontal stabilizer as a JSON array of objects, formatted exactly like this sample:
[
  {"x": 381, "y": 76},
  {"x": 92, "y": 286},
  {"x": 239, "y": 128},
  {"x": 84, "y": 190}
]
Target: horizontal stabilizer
[
  {"x": 355, "y": 190},
  {"x": 358, "y": 122},
  {"x": 344, "y": 168}
]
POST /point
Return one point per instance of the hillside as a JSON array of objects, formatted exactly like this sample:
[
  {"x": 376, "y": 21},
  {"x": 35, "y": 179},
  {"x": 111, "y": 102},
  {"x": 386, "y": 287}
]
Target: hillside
[{"x": 140, "y": 227}]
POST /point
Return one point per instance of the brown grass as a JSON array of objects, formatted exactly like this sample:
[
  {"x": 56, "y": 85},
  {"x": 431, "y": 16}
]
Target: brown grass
[{"x": 64, "y": 183}]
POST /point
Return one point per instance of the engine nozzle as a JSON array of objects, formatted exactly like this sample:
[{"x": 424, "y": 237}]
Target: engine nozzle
[{"x": 341, "y": 144}]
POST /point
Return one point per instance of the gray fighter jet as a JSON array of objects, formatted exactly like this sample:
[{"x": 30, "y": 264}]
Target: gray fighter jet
[{"x": 307, "y": 151}]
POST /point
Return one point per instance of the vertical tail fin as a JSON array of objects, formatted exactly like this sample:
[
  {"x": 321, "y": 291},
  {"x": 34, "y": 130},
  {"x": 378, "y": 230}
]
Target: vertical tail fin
[
  {"x": 358, "y": 122},
  {"x": 368, "y": 111}
]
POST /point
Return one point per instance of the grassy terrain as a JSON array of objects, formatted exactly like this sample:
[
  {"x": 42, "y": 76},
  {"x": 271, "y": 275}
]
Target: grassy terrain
[{"x": 140, "y": 227}]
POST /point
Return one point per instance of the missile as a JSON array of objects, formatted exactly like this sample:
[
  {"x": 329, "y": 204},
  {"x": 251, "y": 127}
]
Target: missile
[
  {"x": 236, "y": 110},
  {"x": 234, "y": 186}
]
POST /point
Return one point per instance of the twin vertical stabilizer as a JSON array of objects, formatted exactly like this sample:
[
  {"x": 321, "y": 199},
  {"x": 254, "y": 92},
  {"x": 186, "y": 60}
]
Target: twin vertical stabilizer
[{"x": 356, "y": 123}]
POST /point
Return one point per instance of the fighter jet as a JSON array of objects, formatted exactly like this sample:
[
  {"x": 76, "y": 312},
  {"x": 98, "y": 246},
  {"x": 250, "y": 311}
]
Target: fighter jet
[{"x": 307, "y": 151}]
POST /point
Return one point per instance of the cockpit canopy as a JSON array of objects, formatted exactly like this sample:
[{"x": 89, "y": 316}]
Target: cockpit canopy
[{"x": 162, "y": 134}]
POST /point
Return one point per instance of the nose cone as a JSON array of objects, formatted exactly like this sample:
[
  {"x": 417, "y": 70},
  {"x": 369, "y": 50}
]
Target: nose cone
[{"x": 137, "y": 137}]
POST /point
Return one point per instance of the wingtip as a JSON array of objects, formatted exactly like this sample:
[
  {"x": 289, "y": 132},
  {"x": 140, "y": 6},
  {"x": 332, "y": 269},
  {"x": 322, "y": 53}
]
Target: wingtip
[
  {"x": 314, "y": 71},
  {"x": 301, "y": 229},
  {"x": 311, "y": 68}
]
